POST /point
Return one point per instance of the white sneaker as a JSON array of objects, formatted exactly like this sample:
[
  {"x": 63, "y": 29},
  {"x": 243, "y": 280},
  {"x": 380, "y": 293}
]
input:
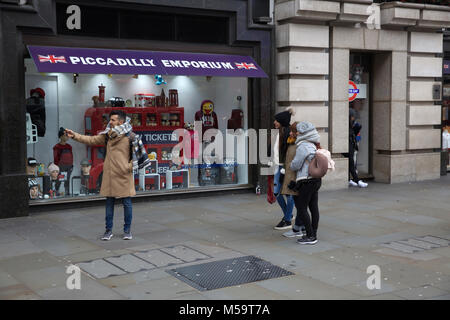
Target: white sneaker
[
  {"x": 291, "y": 234},
  {"x": 362, "y": 184},
  {"x": 353, "y": 183}
]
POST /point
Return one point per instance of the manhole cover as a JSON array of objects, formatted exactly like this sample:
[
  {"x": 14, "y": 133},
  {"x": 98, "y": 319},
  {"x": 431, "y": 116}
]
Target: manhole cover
[{"x": 226, "y": 273}]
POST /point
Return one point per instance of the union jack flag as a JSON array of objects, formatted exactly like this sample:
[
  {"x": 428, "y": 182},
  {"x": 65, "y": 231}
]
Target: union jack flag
[
  {"x": 52, "y": 59},
  {"x": 246, "y": 66}
]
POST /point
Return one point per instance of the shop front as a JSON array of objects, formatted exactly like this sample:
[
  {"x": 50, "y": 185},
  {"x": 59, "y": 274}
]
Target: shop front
[
  {"x": 382, "y": 59},
  {"x": 187, "y": 93},
  {"x": 446, "y": 112}
]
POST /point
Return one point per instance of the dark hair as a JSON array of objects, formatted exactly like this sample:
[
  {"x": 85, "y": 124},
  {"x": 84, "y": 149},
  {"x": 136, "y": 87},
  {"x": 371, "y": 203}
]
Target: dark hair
[
  {"x": 293, "y": 127},
  {"x": 61, "y": 132},
  {"x": 122, "y": 115}
]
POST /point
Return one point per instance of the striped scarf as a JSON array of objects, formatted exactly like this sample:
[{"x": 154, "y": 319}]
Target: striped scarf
[{"x": 139, "y": 154}]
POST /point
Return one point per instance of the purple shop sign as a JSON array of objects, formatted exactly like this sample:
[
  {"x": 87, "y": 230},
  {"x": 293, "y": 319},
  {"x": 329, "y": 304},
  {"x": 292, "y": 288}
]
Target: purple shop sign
[{"x": 85, "y": 60}]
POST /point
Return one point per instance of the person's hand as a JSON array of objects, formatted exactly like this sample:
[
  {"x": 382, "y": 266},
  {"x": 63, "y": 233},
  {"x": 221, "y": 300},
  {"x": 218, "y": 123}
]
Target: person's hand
[{"x": 69, "y": 133}]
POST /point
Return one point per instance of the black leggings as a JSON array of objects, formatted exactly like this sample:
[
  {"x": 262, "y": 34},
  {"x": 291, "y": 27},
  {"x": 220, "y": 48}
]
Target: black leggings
[{"x": 308, "y": 196}]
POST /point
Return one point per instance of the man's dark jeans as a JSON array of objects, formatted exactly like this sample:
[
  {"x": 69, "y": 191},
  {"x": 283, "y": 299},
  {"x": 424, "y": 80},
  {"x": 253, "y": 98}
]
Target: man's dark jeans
[{"x": 127, "y": 210}]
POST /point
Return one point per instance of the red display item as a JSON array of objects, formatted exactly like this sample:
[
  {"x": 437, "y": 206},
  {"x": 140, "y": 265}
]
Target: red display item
[
  {"x": 62, "y": 154},
  {"x": 147, "y": 122},
  {"x": 173, "y": 98},
  {"x": 101, "y": 93},
  {"x": 237, "y": 119},
  {"x": 40, "y": 91}
]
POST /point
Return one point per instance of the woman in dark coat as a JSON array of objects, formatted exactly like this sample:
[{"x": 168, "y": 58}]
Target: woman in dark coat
[{"x": 282, "y": 121}]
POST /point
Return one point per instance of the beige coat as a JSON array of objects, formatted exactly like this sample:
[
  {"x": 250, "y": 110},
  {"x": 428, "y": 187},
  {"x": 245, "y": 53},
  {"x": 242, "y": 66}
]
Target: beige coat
[
  {"x": 118, "y": 180},
  {"x": 289, "y": 175}
]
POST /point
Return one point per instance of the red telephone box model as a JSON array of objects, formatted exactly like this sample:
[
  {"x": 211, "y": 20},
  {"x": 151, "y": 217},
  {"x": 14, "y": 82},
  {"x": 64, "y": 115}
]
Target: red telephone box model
[{"x": 155, "y": 125}]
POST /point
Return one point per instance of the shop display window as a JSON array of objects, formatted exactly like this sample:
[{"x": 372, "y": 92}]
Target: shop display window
[
  {"x": 151, "y": 120},
  {"x": 84, "y": 107},
  {"x": 446, "y": 123},
  {"x": 136, "y": 120},
  {"x": 170, "y": 119}
]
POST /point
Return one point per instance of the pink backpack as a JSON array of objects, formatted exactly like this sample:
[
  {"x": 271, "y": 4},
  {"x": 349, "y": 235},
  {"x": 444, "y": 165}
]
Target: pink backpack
[{"x": 319, "y": 165}]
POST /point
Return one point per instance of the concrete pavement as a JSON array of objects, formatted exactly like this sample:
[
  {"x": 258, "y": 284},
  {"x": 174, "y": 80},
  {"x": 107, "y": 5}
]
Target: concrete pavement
[{"x": 404, "y": 229}]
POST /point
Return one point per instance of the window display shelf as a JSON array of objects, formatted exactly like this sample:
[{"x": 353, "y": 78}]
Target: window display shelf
[
  {"x": 142, "y": 180},
  {"x": 170, "y": 181}
]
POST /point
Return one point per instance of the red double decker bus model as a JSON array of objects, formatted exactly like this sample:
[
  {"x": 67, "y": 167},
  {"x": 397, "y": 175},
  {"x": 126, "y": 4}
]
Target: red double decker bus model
[{"x": 155, "y": 125}]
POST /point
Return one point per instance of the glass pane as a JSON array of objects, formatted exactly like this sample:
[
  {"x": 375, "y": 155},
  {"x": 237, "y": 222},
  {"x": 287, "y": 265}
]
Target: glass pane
[
  {"x": 155, "y": 125},
  {"x": 151, "y": 120},
  {"x": 135, "y": 119}
]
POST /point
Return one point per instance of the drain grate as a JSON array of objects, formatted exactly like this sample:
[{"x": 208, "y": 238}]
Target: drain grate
[{"x": 227, "y": 273}]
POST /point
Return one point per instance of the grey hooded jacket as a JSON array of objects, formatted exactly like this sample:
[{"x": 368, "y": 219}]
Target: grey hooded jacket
[{"x": 306, "y": 149}]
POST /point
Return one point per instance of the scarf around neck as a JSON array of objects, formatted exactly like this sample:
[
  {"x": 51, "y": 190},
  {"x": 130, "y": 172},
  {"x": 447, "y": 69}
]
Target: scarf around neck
[
  {"x": 139, "y": 154},
  {"x": 124, "y": 128}
]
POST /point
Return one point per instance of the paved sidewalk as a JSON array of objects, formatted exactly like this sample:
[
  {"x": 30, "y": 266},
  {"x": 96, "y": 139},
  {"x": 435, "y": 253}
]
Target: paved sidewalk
[{"x": 404, "y": 229}]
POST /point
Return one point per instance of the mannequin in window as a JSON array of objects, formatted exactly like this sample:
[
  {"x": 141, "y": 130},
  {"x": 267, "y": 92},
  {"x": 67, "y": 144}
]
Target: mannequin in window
[
  {"x": 207, "y": 116},
  {"x": 31, "y": 167},
  {"x": 36, "y": 108},
  {"x": 33, "y": 185},
  {"x": 85, "y": 175},
  {"x": 54, "y": 186},
  {"x": 63, "y": 157}
]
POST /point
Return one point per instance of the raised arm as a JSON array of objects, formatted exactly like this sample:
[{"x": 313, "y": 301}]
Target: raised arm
[{"x": 89, "y": 140}]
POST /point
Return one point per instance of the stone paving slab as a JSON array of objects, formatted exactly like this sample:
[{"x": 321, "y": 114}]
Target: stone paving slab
[
  {"x": 360, "y": 288},
  {"x": 88, "y": 256},
  {"x": 411, "y": 275},
  {"x": 436, "y": 240},
  {"x": 421, "y": 293},
  {"x": 21, "y": 247},
  {"x": 184, "y": 253},
  {"x": 159, "y": 258},
  {"x": 18, "y": 292},
  {"x": 401, "y": 247},
  {"x": 7, "y": 280},
  {"x": 130, "y": 263},
  {"x": 418, "y": 256},
  {"x": 29, "y": 262},
  {"x": 360, "y": 241},
  {"x": 8, "y": 236},
  {"x": 303, "y": 287},
  {"x": 100, "y": 269},
  {"x": 249, "y": 291},
  {"x": 134, "y": 278},
  {"x": 355, "y": 258},
  {"x": 90, "y": 290},
  {"x": 43, "y": 278},
  {"x": 420, "y": 244},
  {"x": 64, "y": 246},
  {"x": 167, "y": 288}
]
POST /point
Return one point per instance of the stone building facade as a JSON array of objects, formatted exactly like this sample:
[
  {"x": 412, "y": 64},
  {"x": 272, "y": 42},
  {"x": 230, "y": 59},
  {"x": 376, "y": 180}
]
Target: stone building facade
[{"x": 314, "y": 40}]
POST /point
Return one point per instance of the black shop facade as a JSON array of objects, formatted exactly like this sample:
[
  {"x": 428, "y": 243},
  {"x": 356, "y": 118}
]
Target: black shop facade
[{"x": 77, "y": 63}]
